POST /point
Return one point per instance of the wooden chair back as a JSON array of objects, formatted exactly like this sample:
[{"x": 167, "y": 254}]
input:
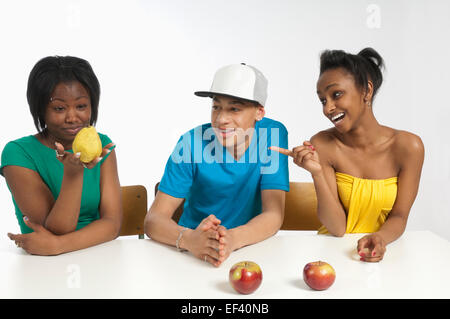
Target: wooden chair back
[
  {"x": 300, "y": 212},
  {"x": 134, "y": 203}
]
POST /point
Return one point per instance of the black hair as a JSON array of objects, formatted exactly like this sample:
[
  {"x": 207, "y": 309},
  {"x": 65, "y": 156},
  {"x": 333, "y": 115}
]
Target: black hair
[
  {"x": 364, "y": 66},
  {"x": 52, "y": 70}
]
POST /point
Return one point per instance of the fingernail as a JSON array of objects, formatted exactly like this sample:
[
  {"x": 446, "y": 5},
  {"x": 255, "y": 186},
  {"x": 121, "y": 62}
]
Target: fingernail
[
  {"x": 361, "y": 259},
  {"x": 100, "y": 158},
  {"x": 373, "y": 253},
  {"x": 78, "y": 154}
]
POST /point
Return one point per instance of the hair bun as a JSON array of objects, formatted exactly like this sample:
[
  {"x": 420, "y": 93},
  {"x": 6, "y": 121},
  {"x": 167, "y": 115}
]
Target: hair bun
[{"x": 373, "y": 56}]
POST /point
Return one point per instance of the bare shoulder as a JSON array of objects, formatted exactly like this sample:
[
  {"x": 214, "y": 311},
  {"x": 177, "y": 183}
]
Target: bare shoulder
[
  {"x": 325, "y": 137},
  {"x": 324, "y": 141},
  {"x": 408, "y": 143}
]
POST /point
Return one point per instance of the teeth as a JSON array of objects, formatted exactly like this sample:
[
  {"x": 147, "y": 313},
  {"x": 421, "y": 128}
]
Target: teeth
[{"x": 334, "y": 118}]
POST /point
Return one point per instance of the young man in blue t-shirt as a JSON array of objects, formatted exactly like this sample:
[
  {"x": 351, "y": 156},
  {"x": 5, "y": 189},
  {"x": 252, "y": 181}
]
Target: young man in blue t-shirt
[{"x": 233, "y": 185}]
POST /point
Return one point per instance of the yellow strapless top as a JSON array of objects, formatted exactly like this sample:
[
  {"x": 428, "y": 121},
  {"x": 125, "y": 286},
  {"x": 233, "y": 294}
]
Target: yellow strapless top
[{"x": 367, "y": 202}]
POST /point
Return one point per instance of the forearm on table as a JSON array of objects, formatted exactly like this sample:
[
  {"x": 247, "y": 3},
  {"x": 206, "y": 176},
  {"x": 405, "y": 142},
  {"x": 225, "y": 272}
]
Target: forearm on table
[
  {"x": 257, "y": 229},
  {"x": 162, "y": 229},
  {"x": 329, "y": 209},
  {"x": 63, "y": 217},
  {"x": 97, "y": 232},
  {"x": 392, "y": 229}
]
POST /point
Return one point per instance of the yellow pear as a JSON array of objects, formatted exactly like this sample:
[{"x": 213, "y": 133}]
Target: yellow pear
[{"x": 88, "y": 143}]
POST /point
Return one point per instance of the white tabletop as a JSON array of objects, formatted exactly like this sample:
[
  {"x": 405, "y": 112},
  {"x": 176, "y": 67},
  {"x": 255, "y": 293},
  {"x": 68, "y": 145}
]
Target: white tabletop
[{"x": 415, "y": 266}]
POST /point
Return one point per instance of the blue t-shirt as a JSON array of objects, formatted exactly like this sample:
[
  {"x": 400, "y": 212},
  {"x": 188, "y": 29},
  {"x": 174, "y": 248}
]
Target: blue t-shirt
[{"x": 202, "y": 171}]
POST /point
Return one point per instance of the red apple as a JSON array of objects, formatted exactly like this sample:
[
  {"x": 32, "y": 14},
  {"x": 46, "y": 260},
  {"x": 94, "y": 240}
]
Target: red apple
[
  {"x": 319, "y": 275},
  {"x": 245, "y": 277}
]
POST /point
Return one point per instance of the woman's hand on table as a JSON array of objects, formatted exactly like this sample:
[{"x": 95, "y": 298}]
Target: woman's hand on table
[
  {"x": 371, "y": 248},
  {"x": 40, "y": 242}
]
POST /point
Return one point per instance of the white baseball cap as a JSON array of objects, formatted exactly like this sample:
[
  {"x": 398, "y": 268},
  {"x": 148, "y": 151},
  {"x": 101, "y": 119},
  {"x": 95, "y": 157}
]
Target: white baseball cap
[{"x": 239, "y": 80}]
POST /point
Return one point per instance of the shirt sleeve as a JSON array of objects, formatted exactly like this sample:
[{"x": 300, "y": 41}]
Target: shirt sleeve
[
  {"x": 105, "y": 141},
  {"x": 178, "y": 174},
  {"x": 15, "y": 154},
  {"x": 274, "y": 165}
]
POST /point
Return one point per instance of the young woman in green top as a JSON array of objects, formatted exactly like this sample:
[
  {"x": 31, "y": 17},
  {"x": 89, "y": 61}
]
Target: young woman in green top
[{"x": 61, "y": 203}]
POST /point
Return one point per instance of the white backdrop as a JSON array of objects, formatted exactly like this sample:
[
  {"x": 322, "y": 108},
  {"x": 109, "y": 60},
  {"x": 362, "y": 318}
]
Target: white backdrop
[{"x": 150, "y": 56}]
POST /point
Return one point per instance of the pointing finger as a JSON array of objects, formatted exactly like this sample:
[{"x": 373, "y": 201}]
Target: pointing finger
[{"x": 281, "y": 150}]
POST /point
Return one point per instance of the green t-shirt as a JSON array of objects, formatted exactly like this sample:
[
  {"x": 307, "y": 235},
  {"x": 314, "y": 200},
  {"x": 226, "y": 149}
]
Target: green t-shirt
[{"x": 28, "y": 152}]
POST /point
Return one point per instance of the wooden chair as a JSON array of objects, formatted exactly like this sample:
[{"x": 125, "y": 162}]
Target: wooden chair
[
  {"x": 134, "y": 203},
  {"x": 176, "y": 216},
  {"x": 300, "y": 212}
]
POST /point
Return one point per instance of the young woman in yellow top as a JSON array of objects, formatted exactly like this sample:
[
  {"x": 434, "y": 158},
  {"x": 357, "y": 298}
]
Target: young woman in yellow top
[{"x": 366, "y": 175}]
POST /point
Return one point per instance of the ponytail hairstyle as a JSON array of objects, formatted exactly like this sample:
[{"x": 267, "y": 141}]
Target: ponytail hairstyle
[{"x": 364, "y": 66}]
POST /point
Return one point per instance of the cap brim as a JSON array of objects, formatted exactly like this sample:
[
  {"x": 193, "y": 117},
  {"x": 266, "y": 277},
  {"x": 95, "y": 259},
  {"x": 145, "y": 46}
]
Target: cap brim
[{"x": 211, "y": 94}]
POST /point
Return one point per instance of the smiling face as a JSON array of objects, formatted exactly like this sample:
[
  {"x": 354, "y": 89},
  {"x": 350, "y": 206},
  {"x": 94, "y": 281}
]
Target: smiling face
[
  {"x": 344, "y": 104},
  {"x": 232, "y": 118},
  {"x": 68, "y": 111}
]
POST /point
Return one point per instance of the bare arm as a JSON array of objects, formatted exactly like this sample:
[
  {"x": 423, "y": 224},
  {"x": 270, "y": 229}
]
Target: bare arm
[
  {"x": 107, "y": 227},
  {"x": 265, "y": 224},
  {"x": 44, "y": 242},
  {"x": 158, "y": 224},
  {"x": 407, "y": 188},
  {"x": 329, "y": 209},
  {"x": 202, "y": 242},
  {"x": 36, "y": 201},
  {"x": 410, "y": 152}
]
